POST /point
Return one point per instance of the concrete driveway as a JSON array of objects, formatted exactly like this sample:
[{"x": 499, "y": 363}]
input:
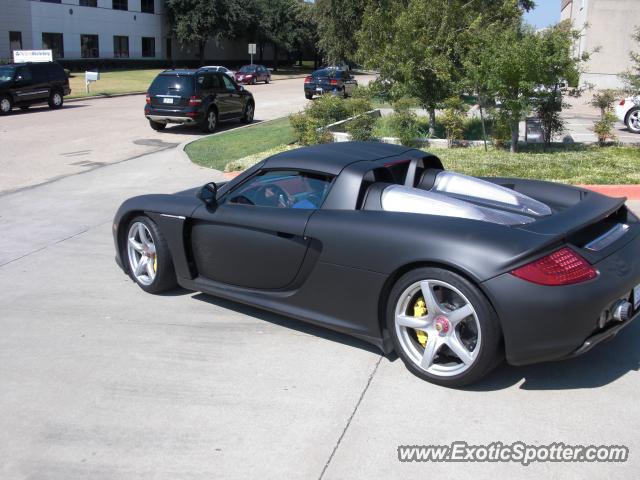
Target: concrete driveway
[{"x": 102, "y": 381}]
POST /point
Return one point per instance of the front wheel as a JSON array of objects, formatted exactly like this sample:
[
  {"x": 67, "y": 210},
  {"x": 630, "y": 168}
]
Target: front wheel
[
  {"x": 442, "y": 327},
  {"x": 633, "y": 120},
  {"x": 150, "y": 264},
  {"x": 56, "y": 99},
  {"x": 249, "y": 111},
  {"x": 267, "y": 80},
  {"x": 5, "y": 105}
]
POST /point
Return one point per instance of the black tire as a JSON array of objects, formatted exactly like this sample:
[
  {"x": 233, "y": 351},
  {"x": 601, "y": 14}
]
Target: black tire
[
  {"x": 56, "y": 99},
  {"x": 249, "y": 112},
  {"x": 157, "y": 126},
  {"x": 267, "y": 81},
  {"x": 253, "y": 81},
  {"x": 308, "y": 96},
  {"x": 490, "y": 353},
  {"x": 344, "y": 92},
  {"x": 633, "y": 114},
  {"x": 6, "y": 105},
  {"x": 165, "y": 277},
  {"x": 209, "y": 125}
]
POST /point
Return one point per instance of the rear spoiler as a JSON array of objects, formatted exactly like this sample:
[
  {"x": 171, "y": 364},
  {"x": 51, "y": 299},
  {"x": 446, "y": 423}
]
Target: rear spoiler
[{"x": 593, "y": 208}]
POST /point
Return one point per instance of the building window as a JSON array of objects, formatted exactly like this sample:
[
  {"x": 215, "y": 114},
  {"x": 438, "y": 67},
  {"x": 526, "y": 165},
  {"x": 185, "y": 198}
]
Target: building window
[
  {"x": 15, "y": 41},
  {"x": 51, "y": 1},
  {"x": 120, "y": 4},
  {"x": 169, "y": 48},
  {"x": 89, "y": 46},
  {"x": 148, "y": 47},
  {"x": 147, "y": 6},
  {"x": 53, "y": 42},
  {"x": 120, "y": 47},
  {"x": 88, "y": 3}
]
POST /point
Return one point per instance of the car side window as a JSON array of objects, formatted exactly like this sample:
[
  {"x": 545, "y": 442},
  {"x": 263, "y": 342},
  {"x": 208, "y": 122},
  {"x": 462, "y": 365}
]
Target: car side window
[
  {"x": 282, "y": 189},
  {"x": 203, "y": 82},
  {"x": 228, "y": 84},
  {"x": 25, "y": 74},
  {"x": 216, "y": 83}
]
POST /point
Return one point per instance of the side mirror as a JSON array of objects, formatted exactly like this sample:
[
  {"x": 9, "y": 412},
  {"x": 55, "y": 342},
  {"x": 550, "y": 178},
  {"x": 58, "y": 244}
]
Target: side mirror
[
  {"x": 240, "y": 88},
  {"x": 208, "y": 194},
  {"x": 19, "y": 79}
]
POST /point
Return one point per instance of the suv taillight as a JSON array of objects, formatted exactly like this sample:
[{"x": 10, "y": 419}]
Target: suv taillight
[
  {"x": 334, "y": 81},
  {"x": 308, "y": 79},
  {"x": 563, "y": 267},
  {"x": 194, "y": 101},
  {"x": 148, "y": 99}
]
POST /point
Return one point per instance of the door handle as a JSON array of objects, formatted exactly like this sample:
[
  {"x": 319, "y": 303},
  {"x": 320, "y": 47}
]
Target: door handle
[{"x": 285, "y": 235}]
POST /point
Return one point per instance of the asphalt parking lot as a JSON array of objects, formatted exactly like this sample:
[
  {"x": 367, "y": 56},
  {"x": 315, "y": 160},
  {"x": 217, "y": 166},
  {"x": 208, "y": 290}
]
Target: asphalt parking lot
[{"x": 102, "y": 381}]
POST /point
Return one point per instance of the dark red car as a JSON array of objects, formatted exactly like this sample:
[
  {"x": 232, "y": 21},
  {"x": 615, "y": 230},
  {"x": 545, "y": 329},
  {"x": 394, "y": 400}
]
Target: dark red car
[{"x": 253, "y": 74}]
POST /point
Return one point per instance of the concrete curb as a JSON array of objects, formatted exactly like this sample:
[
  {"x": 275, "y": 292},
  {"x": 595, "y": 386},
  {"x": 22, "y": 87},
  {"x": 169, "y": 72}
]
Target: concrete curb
[{"x": 632, "y": 192}]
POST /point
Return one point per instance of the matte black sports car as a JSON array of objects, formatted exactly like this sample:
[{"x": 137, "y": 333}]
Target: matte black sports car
[{"x": 378, "y": 241}]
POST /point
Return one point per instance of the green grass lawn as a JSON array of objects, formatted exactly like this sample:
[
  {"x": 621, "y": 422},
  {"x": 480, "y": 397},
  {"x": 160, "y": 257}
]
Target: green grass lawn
[
  {"x": 110, "y": 83},
  {"x": 574, "y": 164},
  {"x": 218, "y": 150}
]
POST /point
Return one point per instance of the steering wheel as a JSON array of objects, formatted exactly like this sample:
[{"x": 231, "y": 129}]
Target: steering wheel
[{"x": 274, "y": 196}]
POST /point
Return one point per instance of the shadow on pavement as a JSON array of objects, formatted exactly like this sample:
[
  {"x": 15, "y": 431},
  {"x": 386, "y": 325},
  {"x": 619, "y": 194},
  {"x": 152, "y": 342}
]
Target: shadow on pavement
[
  {"x": 41, "y": 108},
  {"x": 287, "y": 322},
  {"x": 195, "y": 130}
]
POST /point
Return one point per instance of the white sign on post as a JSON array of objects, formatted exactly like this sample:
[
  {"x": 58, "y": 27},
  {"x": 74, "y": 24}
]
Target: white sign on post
[
  {"x": 22, "y": 56},
  {"x": 252, "y": 51},
  {"x": 90, "y": 77}
]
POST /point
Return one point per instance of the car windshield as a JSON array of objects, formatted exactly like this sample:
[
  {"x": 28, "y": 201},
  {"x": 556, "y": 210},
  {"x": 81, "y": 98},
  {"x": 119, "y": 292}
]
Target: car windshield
[
  {"x": 6, "y": 74},
  {"x": 248, "y": 69},
  {"x": 171, "y": 84}
]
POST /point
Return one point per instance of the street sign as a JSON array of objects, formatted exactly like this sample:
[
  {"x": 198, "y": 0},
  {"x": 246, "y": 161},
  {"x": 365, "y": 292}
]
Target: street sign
[
  {"x": 21, "y": 56},
  {"x": 252, "y": 49}
]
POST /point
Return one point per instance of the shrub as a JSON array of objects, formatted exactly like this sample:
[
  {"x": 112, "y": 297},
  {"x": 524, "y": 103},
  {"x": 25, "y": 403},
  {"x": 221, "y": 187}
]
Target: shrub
[
  {"x": 327, "y": 109},
  {"x": 501, "y": 131},
  {"x": 603, "y": 100},
  {"x": 309, "y": 125},
  {"x": 548, "y": 108},
  {"x": 361, "y": 127},
  {"x": 603, "y": 128},
  {"x": 357, "y": 106},
  {"x": 453, "y": 119},
  {"x": 405, "y": 125}
]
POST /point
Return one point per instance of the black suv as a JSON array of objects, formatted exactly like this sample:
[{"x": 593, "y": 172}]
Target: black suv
[
  {"x": 200, "y": 97},
  {"x": 25, "y": 84}
]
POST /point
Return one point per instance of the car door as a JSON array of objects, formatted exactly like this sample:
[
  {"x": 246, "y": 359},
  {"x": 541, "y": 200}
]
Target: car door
[
  {"x": 254, "y": 237},
  {"x": 234, "y": 97},
  {"x": 24, "y": 88}
]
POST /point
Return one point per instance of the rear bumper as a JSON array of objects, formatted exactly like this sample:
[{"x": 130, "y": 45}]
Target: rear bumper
[
  {"x": 171, "y": 119},
  {"x": 320, "y": 90},
  {"x": 186, "y": 115},
  {"x": 621, "y": 111},
  {"x": 548, "y": 323}
]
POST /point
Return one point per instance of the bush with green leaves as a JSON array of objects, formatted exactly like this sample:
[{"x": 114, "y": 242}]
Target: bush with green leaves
[
  {"x": 604, "y": 100},
  {"x": 361, "y": 127},
  {"x": 309, "y": 125},
  {"x": 453, "y": 119},
  {"x": 501, "y": 131},
  {"x": 548, "y": 107},
  {"x": 405, "y": 125},
  {"x": 603, "y": 128}
]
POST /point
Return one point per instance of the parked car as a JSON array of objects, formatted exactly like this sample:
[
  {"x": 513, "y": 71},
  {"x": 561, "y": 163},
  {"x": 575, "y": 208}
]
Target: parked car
[
  {"x": 218, "y": 68},
  {"x": 378, "y": 241},
  {"x": 628, "y": 112},
  {"x": 253, "y": 74},
  {"x": 197, "y": 97},
  {"x": 329, "y": 80},
  {"x": 26, "y": 84}
]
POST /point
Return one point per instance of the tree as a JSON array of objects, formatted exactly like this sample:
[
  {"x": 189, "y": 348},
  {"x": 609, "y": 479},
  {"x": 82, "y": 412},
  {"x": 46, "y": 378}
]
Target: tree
[
  {"x": 198, "y": 21},
  {"x": 338, "y": 21},
  {"x": 632, "y": 76},
  {"x": 420, "y": 46}
]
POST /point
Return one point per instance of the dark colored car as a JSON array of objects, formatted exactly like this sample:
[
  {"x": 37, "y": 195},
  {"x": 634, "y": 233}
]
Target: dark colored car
[
  {"x": 198, "y": 97},
  {"x": 329, "y": 80},
  {"x": 379, "y": 242},
  {"x": 26, "y": 84},
  {"x": 253, "y": 74}
]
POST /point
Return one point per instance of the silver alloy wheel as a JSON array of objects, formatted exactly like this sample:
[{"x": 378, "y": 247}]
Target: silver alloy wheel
[
  {"x": 249, "y": 113},
  {"x": 450, "y": 321},
  {"x": 211, "y": 120},
  {"x": 633, "y": 121},
  {"x": 5, "y": 105},
  {"x": 142, "y": 253},
  {"x": 57, "y": 99}
]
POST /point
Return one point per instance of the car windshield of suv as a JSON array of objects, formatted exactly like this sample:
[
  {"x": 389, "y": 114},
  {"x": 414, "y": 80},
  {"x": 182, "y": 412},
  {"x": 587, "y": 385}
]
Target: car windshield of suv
[
  {"x": 6, "y": 74},
  {"x": 247, "y": 69},
  {"x": 164, "y": 84}
]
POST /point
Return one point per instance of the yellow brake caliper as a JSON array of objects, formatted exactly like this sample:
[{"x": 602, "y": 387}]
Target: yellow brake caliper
[{"x": 420, "y": 310}]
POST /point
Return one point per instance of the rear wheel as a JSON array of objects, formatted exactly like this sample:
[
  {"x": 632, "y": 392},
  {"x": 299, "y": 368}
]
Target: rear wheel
[
  {"x": 308, "y": 96},
  {"x": 157, "y": 126},
  {"x": 253, "y": 81},
  {"x": 210, "y": 121},
  {"x": 5, "y": 105},
  {"x": 249, "y": 111},
  {"x": 150, "y": 264},
  {"x": 56, "y": 99},
  {"x": 442, "y": 327},
  {"x": 633, "y": 120}
]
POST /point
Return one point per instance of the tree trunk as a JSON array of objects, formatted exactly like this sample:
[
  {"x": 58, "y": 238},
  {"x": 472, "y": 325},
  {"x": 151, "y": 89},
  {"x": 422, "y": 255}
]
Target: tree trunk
[
  {"x": 261, "y": 49},
  {"x": 201, "y": 47},
  {"x": 484, "y": 128},
  {"x": 432, "y": 121},
  {"x": 515, "y": 135},
  {"x": 275, "y": 57}
]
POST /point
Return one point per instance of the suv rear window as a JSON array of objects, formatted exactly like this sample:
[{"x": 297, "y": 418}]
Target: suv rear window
[{"x": 165, "y": 84}]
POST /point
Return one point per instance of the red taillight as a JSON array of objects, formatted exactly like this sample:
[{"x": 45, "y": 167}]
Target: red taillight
[
  {"x": 195, "y": 101},
  {"x": 148, "y": 99},
  {"x": 622, "y": 102},
  {"x": 334, "y": 81},
  {"x": 308, "y": 79},
  {"x": 563, "y": 267}
]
